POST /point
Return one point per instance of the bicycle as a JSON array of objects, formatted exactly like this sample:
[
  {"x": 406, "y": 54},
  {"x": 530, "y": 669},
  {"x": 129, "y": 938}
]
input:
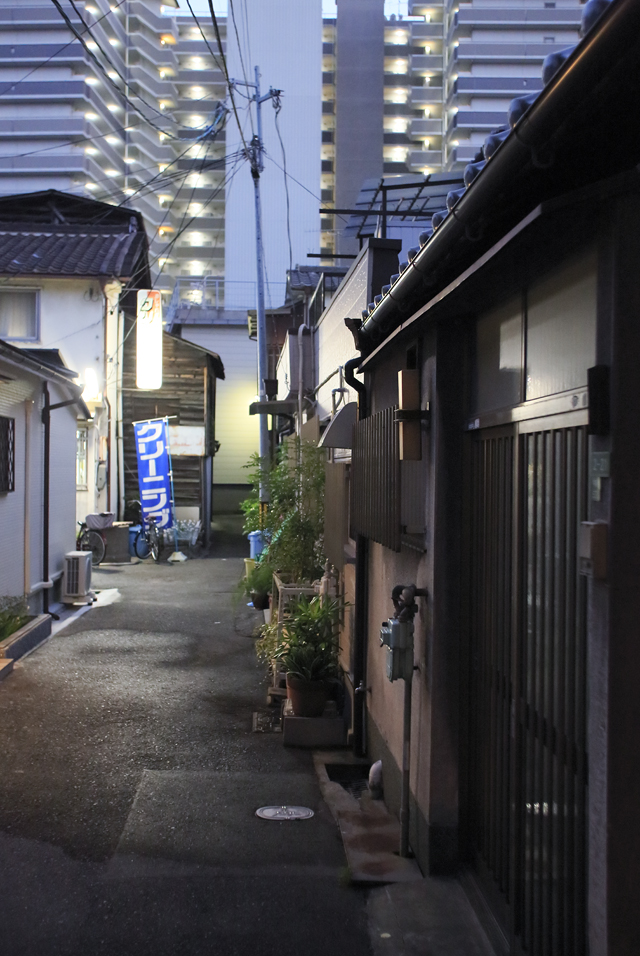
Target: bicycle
[
  {"x": 91, "y": 540},
  {"x": 149, "y": 541}
]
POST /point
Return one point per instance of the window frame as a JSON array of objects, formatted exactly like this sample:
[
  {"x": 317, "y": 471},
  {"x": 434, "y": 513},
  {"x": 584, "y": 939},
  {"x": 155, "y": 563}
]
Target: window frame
[{"x": 36, "y": 290}]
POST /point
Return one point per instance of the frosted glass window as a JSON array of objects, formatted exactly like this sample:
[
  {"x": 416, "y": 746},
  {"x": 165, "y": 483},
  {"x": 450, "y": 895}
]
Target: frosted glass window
[
  {"x": 18, "y": 314},
  {"x": 561, "y": 329},
  {"x": 498, "y": 359}
]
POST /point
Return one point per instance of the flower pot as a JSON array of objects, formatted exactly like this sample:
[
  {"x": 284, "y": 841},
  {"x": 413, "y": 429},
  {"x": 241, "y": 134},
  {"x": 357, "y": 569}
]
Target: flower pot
[
  {"x": 308, "y": 697},
  {"x": 260, "y": 600}
]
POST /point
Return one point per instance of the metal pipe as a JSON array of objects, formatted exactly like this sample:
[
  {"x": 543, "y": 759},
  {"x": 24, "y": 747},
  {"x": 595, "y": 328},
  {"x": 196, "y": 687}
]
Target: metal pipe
[
  {"x": 349, "y": 368},
  {"x": 46, "y": 421},
  {"x": 406, "y": 766},
  {"x": 301, "y": 331}
]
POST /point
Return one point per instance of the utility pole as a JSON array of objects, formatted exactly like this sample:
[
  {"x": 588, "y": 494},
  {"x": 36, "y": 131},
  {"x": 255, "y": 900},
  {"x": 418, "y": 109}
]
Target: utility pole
[{"x": 254, "y": 155}]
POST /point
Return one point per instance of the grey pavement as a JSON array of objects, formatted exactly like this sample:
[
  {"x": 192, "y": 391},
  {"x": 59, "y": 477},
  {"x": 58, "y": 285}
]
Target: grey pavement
[{"x": 130, "y": 779}]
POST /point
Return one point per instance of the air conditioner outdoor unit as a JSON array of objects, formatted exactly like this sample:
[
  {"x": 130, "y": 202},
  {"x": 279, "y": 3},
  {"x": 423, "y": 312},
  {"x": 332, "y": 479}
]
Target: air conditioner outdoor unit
[{"x": 76, "y": 580}]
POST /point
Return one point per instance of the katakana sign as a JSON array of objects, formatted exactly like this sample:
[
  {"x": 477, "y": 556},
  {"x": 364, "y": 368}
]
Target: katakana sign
[{"x": 154, "y": 471}]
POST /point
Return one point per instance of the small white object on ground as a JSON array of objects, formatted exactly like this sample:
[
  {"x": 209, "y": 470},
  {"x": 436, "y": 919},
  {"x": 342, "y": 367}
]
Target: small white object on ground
[{"x": 177, "y": 556}]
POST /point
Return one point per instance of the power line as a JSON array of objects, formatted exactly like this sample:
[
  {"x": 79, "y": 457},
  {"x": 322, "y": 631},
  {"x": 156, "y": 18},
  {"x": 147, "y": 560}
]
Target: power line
[
  {"x": 105, "y": 72},
  {"x": 204, "y": 37},
  {"x": 297, "y": 181},
  {"x": 13, "y": 85},
  {"x": 244, "y": 71},
  {"x": 277, "y": 105},
  {"x": 226, "y": 72}
]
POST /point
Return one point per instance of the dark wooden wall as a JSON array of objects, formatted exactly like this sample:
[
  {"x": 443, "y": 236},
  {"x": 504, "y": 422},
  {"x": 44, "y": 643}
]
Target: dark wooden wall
[{"x": 187, "y": 393}]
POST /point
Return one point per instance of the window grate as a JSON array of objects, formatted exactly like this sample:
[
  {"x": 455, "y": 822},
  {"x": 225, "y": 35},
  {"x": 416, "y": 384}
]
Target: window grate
[
  {"x": 7, "y": 454},
  {"x": 375, "y": 479}
]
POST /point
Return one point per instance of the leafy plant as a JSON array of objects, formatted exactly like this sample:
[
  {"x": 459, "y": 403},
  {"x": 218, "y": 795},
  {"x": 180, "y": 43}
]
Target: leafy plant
[
  {"x": 309, "y": 662},
  {"x": 305, "y": 643},
  {"x": 259, "y": 579},
  {"x": 294, "y": 517},
  {"x": 14, "y": 614}
]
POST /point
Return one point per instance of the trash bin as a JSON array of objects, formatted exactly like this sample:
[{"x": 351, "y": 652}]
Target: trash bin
[
  {"x": 133, "y": 530},
  {"x": 256, "y": 543}
]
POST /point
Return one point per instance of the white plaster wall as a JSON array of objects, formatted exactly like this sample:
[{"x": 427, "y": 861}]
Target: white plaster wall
[
  {"x": 236, "y": 430},
  {"x": 21, "y": 511},
  {"x": 284, "y": 39},
  {"x": 333, "y": 341},
  {"x": 72, "y": 319}
]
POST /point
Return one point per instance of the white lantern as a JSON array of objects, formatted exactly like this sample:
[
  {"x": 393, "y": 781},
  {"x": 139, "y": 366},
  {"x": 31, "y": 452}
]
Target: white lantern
[{"x": 149, "y": 340}]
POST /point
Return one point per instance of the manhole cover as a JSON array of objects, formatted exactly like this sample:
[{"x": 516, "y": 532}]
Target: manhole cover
[{"x": 284, "y": 813}]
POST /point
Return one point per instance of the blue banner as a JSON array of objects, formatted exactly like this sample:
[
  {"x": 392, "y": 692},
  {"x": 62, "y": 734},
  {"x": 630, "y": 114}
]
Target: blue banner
[{"x": 154, "y": 471}]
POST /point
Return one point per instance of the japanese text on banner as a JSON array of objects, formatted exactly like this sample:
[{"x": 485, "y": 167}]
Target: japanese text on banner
[{"x": 154, "y": 478}]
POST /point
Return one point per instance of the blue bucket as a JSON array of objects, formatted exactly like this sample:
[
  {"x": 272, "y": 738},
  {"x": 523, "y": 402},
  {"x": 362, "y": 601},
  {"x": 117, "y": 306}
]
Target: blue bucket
[{"x": 256, "y": 543}]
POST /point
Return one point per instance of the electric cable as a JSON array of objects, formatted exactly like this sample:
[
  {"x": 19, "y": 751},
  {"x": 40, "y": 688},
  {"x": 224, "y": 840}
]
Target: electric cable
[
  {"x": 13, "y": 85},
  {"x": 204, "y": 37},
  {"x": 277, "y": 105},
  {"x": 302, "y": 185},
  {"x": 105, "y": 72},
  {"x": 126, "y": 83},
  {"x": 226, "y": 72},
  {"x": 242, "y": 66}
]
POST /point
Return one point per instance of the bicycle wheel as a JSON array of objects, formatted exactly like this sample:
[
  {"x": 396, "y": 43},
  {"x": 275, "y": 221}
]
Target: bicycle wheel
[
  {"x": 94, "y": 542},
  {"x": 141, "y": 546},
  {"x": 155, "y": 542}
]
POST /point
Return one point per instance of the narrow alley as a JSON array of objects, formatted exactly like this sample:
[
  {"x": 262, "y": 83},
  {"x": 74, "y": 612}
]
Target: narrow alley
[{"x": 131, "y": 777}]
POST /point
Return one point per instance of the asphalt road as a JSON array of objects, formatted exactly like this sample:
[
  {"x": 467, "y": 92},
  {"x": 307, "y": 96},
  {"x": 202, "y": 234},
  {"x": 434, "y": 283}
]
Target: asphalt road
[{"x": 130, "y": 777}]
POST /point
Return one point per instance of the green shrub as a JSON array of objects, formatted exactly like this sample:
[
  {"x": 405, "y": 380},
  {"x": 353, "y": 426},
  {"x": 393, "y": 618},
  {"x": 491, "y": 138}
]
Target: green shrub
[
  {"x": 14, "y": 614},
  {"x": 294, "y": 520}
]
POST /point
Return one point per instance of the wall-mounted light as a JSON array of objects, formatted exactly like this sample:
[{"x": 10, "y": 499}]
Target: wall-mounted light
[
  {"x": 149, "y": 340},
  {"x": 91, "y": 393}
]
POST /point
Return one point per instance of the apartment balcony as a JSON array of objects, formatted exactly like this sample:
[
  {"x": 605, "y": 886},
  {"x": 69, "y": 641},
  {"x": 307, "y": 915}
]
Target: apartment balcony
[
  {"x": 138, "y": 9},
  {"x": 425, "y": 64},
  {"x": 32, "y": 54},
  {"x": 500, "y": 86},
  {"x": 200, "y": 77},
  {"x": 426, "y": 31},
  {"x": 196, "y": 47},
  {"x": 478, "y": 119},
  {"x": 425, "y": 127},
  {"x": 418, "y": 159},
  {"x": 425, "y": 95},
  {"x": 462, "y": 154},
  {"x": 26, "y": 129},
  {"x": 199, "y": 253},
  {"x": 542, "y": 18},
  {"x": 157, "y": 55},
  {"x": 468, "y": 51}
]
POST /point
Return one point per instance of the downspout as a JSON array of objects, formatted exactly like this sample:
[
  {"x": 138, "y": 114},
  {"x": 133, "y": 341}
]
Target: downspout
[
  {"x": 108, "y": 404},
  {"x": 46, "y": 421},
  {"x": 119, "y": 421},
  {"x": 301, "y": 330},
  {"x": 28, "y": 408},
  {"x": 47, "y": 408},
  {"x": 361, "y": 598}
]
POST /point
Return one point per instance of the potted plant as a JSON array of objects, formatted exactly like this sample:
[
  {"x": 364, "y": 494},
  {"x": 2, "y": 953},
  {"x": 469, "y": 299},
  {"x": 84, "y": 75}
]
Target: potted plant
[
  {"x": 308, "y": 652},
  {"x": 257, "y": 585}
]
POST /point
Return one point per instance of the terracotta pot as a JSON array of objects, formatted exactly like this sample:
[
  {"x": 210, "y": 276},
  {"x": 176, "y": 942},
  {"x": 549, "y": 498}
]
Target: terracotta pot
[
  {"x": 260, "y": 600},
  {"x": 308, "y": 697}
]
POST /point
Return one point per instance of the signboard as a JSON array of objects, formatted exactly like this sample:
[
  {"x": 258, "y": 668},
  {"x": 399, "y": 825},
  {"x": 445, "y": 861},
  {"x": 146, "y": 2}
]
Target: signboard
[
  {"x": 187, "y": 440},
  {"x": 149, "y": 340},
  {"x": 154, "y": 471}
]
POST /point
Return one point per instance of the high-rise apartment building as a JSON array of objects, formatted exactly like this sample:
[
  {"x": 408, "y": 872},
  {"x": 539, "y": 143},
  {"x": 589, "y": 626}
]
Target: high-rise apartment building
[{"x": 446, "y": 73}]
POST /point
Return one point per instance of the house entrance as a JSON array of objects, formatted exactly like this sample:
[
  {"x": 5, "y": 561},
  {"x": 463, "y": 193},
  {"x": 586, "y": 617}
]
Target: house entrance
[{"x": 527, "y": 763}]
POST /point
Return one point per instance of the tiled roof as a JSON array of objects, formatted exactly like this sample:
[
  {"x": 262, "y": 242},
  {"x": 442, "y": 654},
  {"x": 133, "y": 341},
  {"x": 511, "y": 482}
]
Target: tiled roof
[{"x": 53, "y": 251}]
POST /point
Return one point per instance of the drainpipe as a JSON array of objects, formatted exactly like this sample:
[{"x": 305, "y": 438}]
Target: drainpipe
[
  {"x": 47, "y": 408},
  {"x": 301, "y": 330},
  {"x": 361, "y": 597},
  {"x": 28, "y": 407},
  {"x": 397, "y": 635}
]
